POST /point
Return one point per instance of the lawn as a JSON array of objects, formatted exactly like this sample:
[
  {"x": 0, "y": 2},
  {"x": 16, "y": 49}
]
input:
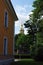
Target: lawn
[{"x": 27, "y": 62}]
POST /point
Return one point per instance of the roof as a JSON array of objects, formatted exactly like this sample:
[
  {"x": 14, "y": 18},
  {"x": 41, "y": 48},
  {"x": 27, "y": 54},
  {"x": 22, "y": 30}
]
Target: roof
[{"x": 12, "y": 9}]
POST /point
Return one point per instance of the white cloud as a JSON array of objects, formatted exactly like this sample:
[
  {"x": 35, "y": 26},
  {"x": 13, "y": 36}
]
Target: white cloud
[
  {"x": 22, "y": 14},
  {"x": 23, "y": 17},
  {"x": 17, "y": 23},
  {"x": 30, "y": 13},
  {"x": 25, "y": 31},
  {"x": 20, "y": 8}
]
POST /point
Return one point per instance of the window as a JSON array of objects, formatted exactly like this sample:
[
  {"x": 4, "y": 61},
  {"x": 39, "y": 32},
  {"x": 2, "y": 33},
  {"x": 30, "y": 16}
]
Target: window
[
  {"x": 5, "y": 46},
  {"x": 6, "y": 19}
]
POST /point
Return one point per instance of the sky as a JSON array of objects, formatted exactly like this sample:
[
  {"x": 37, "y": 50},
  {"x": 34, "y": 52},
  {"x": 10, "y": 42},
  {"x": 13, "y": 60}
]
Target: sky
[{"x": 22, "y": 8}]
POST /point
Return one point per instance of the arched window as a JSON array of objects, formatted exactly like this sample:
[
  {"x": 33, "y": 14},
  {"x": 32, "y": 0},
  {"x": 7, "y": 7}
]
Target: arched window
[
  {"x": 5, "y": 45},
  {"x": 6, "y": 19}
]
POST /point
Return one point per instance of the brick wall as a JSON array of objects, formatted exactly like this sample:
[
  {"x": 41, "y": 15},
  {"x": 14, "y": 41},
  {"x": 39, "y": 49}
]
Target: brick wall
[{"x": 8, "y": 32}]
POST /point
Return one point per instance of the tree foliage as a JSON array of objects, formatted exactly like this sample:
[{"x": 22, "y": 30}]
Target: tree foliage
[
  {"x": 23, "y": 41},
  {"x": 35, "y": 23},
  {"x": 38, "y": 18}
]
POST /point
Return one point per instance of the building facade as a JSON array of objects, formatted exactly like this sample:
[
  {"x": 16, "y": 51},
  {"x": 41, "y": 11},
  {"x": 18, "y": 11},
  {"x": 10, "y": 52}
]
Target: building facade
[{"x": 7, "y": 18}]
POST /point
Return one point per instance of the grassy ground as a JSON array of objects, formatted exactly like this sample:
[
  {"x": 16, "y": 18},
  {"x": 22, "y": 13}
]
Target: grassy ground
[{"x": 27, "y": 62}]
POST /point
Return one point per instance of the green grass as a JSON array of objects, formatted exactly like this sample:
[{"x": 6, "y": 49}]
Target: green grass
[{"x": 27, "y": 62}]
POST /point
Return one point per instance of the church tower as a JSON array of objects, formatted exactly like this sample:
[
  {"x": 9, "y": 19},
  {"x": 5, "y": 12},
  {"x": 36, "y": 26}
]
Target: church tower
[{"x": 22, "y": 29}]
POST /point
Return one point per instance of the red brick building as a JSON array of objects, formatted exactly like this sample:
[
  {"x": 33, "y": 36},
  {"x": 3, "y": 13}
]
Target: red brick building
[{"x": 7, "y": 18}]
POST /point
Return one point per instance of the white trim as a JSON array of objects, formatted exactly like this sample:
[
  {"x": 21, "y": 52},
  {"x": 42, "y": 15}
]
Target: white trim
[
  {"x": 6, "y": 45},
  {"x": 7, "y": 18}
]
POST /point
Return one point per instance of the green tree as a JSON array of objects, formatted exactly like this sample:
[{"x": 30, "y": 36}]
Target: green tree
[
  {"x": 15, "y": 40},
  {"x": 23, "y": 42},
  {"x": 35, "y": 24},
  {"x": 30, "y": 25},
  {"x": 38, "y": 19}
]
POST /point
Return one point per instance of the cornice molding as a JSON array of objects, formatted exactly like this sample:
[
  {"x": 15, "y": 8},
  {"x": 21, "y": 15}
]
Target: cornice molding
[{"x": 12, "y": 9}]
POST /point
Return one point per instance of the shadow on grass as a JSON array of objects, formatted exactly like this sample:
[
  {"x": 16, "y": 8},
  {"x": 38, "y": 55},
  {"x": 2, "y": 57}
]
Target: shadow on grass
[{"x": 26, "y": 62}]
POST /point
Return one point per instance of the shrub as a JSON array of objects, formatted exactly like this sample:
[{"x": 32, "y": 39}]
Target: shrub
[
  {"x": 22, "y": 56},
  {"x": 39, "y": 55}
]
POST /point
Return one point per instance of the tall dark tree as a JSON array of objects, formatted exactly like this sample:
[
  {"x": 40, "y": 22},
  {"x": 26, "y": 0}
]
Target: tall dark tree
[
  {"x": 31, "y": 26},
  {"x": 38, "y": 19}
]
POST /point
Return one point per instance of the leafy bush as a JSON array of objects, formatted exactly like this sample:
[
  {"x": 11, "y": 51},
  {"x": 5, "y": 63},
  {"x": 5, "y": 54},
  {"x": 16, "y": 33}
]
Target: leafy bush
[
  {"x": 39, "y": 55},
  {"x": 22, "y": 56}
]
